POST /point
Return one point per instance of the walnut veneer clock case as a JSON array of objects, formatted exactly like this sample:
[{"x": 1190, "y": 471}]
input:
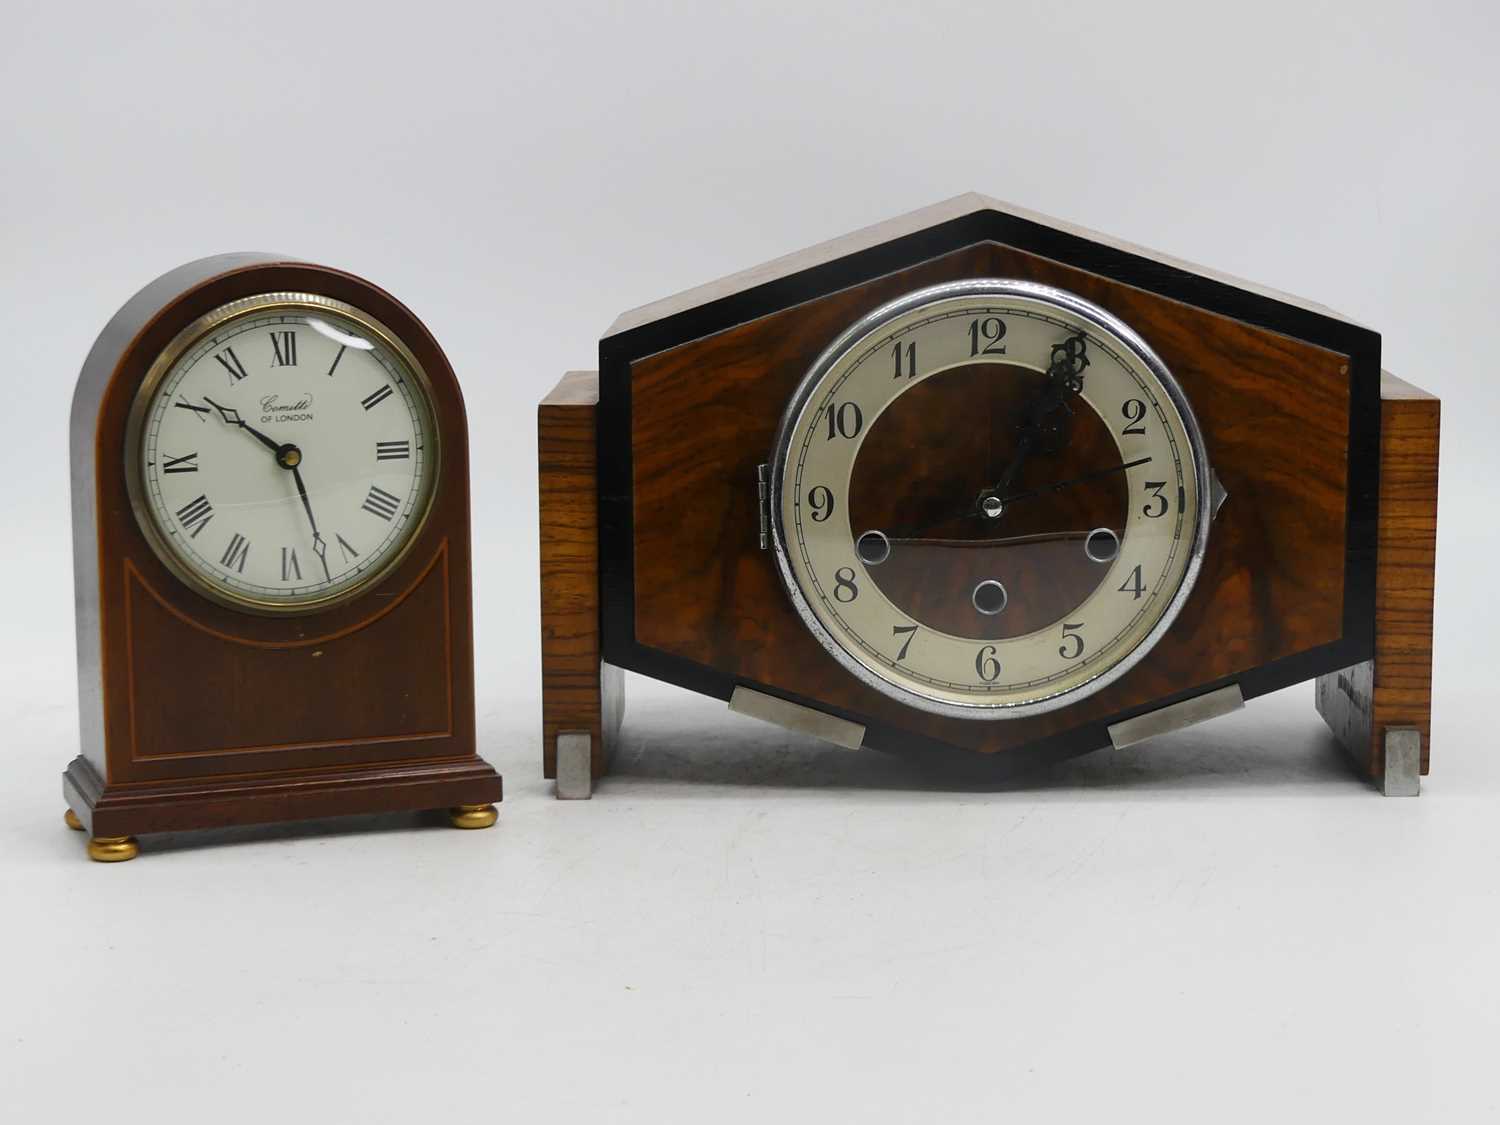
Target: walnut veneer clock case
[
  {"x": 976, "y": 480},
  {"x": 271, "y": 559}
]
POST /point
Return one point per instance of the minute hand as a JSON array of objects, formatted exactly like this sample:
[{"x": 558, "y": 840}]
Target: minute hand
[
  {"x": 1058, "y": 486},
  {"x": 920, "y": 533},
  {"x": 320, "y": 548}
]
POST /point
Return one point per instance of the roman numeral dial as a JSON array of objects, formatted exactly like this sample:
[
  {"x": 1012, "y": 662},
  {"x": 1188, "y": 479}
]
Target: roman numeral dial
[
  {"x": 381, "y": 503},
  {"x": 195, "y": 514},
  {"x": 284, "y": 348},
  {"x": 285, "y": 455},
  {"x": 236, "y": 554},
  {"x": 231, "y": 363}
]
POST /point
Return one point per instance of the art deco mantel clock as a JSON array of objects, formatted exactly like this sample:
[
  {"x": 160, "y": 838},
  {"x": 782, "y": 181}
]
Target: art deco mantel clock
[
  {"x": 973, "y": 479},
  {"x": 271, "y": 558}
]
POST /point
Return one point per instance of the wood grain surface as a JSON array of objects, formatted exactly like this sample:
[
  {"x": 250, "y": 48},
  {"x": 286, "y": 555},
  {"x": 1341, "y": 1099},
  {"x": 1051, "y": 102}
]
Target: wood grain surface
[
  {"x": 922, "y": 493},
  {"x": 578, "y": 693},
  {"x": 192, "y": 695},
  {"x": 913, "y": 222},
  {"x": 1274, "y": 411},
  {"x": 1395, "y": 689}
]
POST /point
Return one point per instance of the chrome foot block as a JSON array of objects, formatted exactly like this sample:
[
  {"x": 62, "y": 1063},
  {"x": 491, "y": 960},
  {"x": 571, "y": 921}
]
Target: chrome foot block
[
  {"x": 1403, "y": 762},
  {"x": 575, "y": 771}
]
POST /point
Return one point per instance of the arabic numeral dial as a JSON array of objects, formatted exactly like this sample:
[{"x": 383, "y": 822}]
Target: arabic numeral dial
[{"x": 989, "y": 499}]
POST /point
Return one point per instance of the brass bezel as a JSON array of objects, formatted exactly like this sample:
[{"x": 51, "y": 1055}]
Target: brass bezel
[{"x": 184, "y": 341}]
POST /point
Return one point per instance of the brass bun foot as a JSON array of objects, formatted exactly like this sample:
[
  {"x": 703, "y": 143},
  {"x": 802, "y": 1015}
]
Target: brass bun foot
[
  {"x": 70, "y": 818},
  {"x": 113, "y": 849},
  {"x": 472, "y": 816}
]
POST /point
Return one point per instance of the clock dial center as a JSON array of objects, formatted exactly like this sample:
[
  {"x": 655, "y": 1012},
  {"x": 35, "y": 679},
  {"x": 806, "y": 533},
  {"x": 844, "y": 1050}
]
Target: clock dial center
[
  {"x": 926, "y": 457},
  {"x": 989, "y": 498}
]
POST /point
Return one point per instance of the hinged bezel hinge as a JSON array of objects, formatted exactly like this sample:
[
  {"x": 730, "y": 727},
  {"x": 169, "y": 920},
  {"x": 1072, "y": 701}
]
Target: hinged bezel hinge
[{"x": 763, "y": 492}]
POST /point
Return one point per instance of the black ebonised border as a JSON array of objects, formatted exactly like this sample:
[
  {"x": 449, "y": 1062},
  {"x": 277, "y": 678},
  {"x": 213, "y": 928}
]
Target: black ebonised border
[{"x": 616, "y": 531}]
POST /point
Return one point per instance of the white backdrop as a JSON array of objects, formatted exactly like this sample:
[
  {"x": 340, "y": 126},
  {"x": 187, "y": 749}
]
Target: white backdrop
[{"x": 741, "y": 925}]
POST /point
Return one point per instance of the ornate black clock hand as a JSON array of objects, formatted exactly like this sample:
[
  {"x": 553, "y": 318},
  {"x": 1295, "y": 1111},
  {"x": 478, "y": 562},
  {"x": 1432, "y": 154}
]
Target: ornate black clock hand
[
  {"x": 1064, "y": 380},
  {"x": 288, "y": 456},
  {"x": 1005, "y": 501},
  {"x": 320, "y": 548},
  {"x": 1058, "y": 486},
  {"x": 907, "y": 535},
  {"x": 232, "y": 417}
]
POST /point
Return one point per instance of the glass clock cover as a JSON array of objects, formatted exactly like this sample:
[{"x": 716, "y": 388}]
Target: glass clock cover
[
  {"x": 989, "y": 498},
  {"x": 282, "y": 453}
]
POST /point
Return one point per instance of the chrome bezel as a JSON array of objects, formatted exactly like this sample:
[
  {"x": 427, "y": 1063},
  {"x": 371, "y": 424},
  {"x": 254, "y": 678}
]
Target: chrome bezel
[{"x": 1002, "y": 288}]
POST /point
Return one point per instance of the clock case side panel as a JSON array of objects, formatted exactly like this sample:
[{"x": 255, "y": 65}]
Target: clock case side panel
[
  {"x": 94, "y": 380},
  {"x": 154, "y": 788},
  {"x": 617, "y": 481},
  {"x": 1393, "y": 689},
  {"x": 580, "y": 694}
]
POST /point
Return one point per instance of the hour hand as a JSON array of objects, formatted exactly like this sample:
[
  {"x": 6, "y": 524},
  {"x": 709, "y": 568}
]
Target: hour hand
[
  {"x": 232, "y": 417},
  {"x": 228, "y": 413},
  {"x": 1064, "y": 380}
]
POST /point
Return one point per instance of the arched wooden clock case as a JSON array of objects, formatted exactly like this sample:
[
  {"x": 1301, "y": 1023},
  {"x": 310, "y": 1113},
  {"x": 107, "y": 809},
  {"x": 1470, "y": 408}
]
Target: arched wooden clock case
[
  {"x": 197, "y": 714},
  {"x": 1319, "y": 566}
]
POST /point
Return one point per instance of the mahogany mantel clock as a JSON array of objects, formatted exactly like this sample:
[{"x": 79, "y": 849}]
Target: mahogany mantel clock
[
  {"x": 972, "y": 479},
  {"x": 271, "y": 557}
]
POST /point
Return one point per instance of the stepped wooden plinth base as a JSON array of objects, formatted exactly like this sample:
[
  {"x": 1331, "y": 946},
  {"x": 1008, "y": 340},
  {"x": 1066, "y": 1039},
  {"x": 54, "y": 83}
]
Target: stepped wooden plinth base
[{"x": 116, "y": 813}]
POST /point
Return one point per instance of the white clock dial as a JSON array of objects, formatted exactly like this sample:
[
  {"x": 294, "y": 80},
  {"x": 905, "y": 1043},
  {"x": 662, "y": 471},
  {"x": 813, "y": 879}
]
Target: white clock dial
[
  {"x": 989, "y": 498},
  {"x": 284, "y": 452}
]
